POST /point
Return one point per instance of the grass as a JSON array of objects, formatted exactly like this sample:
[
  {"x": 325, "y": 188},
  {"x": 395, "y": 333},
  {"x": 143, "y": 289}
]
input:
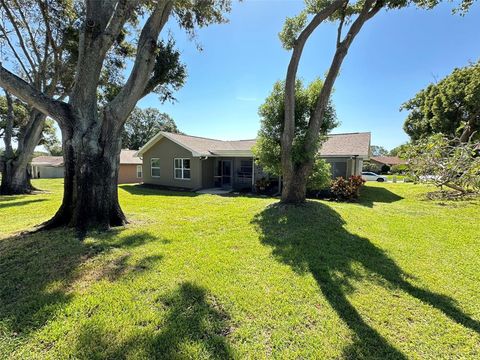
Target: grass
[
  {"x": 399, "y": 177},
  {"x": 394, "y": 276}
]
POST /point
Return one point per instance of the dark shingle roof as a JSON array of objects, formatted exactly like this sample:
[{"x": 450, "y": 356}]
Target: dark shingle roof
[
  {"x": 129, "y": 157},
  {"x": 388, "y": 160},
  {"x": 346, "y": 145},
  {"x": 48, "y": 160},
  {"x": 126, "y": 157},
  {"x": 336, "y": 145}
]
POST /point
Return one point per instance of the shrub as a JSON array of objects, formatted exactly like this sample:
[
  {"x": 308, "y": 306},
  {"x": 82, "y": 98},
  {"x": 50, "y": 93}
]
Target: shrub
[
  {"x": 385, "y": 169},
  {"x": 344, "y": 189},
  {"x": 321, "y": 176},
  {"x": 368, "y": 166},
  {"x": 262, "y": 185},
  {"x": 398, "y": 169}
]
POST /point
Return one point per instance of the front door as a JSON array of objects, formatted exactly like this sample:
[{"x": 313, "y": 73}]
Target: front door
[{"x": 226, "y": 166}]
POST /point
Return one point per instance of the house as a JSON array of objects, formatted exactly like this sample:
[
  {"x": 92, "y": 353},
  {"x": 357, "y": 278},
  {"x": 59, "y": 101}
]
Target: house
[
  {"x": 192, "y": 162},
  {"x": 387, "y": 160},
  {"x": 130, "y": 170},
  {"x": 47, "y": 167}
]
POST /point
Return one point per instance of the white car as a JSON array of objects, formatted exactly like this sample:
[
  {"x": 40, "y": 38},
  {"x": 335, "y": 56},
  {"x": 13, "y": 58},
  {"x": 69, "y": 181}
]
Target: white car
[{"x": 370, "y": 176}]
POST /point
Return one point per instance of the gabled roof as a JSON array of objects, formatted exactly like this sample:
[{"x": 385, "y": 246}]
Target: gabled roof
[
  {"x": 126, "y": 157},
  {"x": 388, "y": 160},
  {"x": 200, "y": 146},
  {"x": 129, "y": 157},
  {"x": 352, "y": 144},
  {"x": 349, "y": 144},
  {"x": 55, "y": 161}
]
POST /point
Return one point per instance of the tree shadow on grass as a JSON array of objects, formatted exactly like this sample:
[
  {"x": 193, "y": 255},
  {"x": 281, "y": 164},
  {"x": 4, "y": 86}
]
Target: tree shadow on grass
[
  {"x": 38, "y": 270},
  {"x": 370, "y": 195},
  {"x": 4, "y": 205},
  {"x": 149, "y": 189},
  {"x": 121, "y": 267},
  {"x": 194, "y": 326},
  {"x": 312, "y": 238}
]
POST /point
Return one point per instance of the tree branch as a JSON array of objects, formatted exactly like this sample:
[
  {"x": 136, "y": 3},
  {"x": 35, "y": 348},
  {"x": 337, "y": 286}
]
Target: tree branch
[
  {"x": 370, "y": 8},
  {"x": 17, "y": 56},
  {"x": 118, "y": 19},
  {"x": 19, "y": 34},
  {"x": 470, "y": 127},
  {"x": 9, "y": 127},
  {"x": 340, "y": 26},
  {"x": 58, "y": 110},
  {"x": 94, "y": 43},
  {"x": 134, "y": 88},
  {"x": 29, "y": 31},
  {"x": 289, "y": 120}
]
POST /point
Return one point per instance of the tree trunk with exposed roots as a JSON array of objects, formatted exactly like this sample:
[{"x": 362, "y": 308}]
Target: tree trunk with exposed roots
[
  {"x": 90, "y": 198},
  {"x": 91, "y": 132}
]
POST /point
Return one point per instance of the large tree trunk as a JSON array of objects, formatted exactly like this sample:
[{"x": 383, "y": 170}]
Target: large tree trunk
[
  {"x": 15, "y": 176},
  {"x": 296, "y": 175},
  {"x": 91, "y": 134},
  {"x": 295, "y": 186},
  {"x": 90, "y": 198},
  {"x": 15, "y": 179}
]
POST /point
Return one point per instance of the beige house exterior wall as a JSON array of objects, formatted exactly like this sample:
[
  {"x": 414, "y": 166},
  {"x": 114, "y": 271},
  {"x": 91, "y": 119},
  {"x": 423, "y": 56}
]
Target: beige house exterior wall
[
  {"x": 127, "y": 174},
  {"x": 203, "y": 170},
  {"x": 47, "y": 172},
  {"x": 166, "y": 151}
]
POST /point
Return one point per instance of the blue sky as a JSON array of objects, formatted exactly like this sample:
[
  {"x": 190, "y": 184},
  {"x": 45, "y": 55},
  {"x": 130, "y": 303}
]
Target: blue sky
[{"x": 396, "y": 54}]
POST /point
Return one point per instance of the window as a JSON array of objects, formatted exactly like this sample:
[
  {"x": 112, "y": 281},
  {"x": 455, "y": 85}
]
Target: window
[
  {"x": 339, "y": 169},
  {"x": 246, "y": 167},
  {"x": 155, "y": 167},
  {"x": 181, "y": 169},
  {"x": 139, "y": 172}
]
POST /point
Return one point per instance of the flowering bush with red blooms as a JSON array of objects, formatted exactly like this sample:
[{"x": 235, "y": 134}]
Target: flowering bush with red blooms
[{"x": 347, "y": 189}]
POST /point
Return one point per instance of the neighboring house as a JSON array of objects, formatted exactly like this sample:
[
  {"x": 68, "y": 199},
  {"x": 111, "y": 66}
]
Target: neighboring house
[
  {"x": 130, "y": 170},
  {"x": 192, "y": 162},
  {"x": 47, "y": 167},
  {"x": 387, "y": 160}
]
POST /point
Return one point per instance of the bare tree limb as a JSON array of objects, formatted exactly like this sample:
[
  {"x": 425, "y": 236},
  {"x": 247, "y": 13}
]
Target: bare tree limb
[
  {"x": 29, "y": 31},
  {"x": 17, "y": 56},
  {"x": 369, "y": 9},
  {"x": 134, "y": 88},
  {"x": 117, "y": 21},
  {"x": 12, "y": 19},
  {"x": 340, "y": 26},
  {"x": 26, "y": 92}
]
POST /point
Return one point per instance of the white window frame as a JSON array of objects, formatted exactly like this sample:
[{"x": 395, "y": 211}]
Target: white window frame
[
  {"x": 156, "y": 167},
  {"x": 182, "y": 169},
  {"x": 140, "y": 172}
]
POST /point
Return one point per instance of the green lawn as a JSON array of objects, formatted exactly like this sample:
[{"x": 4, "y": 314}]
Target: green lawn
[
  {"x": 394, "y": 276},
  {"x": 399, "y": 177}
]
